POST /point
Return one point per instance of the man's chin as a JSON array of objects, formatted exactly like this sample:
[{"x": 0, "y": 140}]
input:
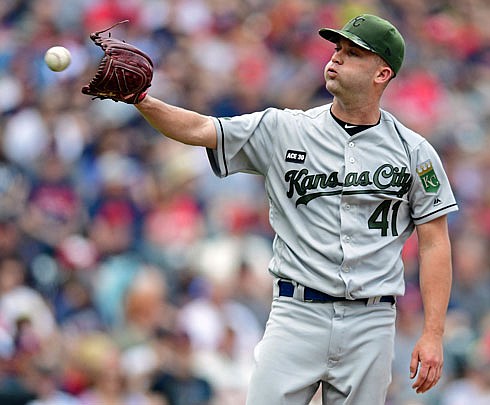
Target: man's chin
[{"x": 332, "y": 87}]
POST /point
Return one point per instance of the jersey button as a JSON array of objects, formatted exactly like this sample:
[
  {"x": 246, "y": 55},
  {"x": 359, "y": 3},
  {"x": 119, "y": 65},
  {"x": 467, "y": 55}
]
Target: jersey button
[
  {"x": 347, "y": 238},
  {"x": 345, "y": 269},
  {"x": 347, "y": 206},
  {"x": 352, "y": 160},
  {"x": 351, "y": 144}
]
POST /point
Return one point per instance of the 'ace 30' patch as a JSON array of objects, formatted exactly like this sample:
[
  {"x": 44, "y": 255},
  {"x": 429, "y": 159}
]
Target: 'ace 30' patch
[{"x": 295, "y": 156}]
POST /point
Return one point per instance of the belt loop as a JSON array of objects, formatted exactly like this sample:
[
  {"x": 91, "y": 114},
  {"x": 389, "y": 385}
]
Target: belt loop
[
  {"x": 299, "y": 291},
  {"x": 275, "y": 287},
  {"x": 373, "y": 300}
]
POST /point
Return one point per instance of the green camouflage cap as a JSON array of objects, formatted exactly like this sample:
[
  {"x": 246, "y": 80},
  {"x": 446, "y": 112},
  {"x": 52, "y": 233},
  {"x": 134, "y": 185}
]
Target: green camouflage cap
[{"x": 374, "y": 34}]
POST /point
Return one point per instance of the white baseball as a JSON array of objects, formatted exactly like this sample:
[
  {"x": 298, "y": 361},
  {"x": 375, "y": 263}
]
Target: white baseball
[{"x": 57, "y": 58}]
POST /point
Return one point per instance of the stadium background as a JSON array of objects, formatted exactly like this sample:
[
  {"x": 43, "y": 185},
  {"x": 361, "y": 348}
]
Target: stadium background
[{"x": 129, "y": 274}]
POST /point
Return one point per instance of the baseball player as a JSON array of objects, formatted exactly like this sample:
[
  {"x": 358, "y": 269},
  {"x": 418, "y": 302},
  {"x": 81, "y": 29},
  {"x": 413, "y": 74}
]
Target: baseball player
[{"x": 347, "y": 185}]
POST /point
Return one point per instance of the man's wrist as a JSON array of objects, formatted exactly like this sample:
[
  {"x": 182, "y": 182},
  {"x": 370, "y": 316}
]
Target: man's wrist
[
  {"x": 434, "y": 331},
  {"x": 141, "y": 97}
]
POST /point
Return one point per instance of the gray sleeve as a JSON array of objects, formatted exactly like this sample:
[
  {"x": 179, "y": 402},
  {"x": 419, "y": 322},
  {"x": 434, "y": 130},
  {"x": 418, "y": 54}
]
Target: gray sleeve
[
  {"x": 431, "y": 195},
  {"x": 244, "y": 143}
]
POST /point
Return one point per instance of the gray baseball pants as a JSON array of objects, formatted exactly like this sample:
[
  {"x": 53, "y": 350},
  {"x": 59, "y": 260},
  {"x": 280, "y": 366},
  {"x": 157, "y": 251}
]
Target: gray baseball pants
[{"x": 346, "y": 346}]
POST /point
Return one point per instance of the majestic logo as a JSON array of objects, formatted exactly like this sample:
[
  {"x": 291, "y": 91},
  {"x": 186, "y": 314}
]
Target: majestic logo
[
  {"x": 295, "y": 156},
  {"x": 428, "y": 177},
  {"x": 387, "y": 176}
]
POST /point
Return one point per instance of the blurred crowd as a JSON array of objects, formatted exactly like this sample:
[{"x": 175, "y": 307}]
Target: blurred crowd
[{"x": 129, "y": 274}]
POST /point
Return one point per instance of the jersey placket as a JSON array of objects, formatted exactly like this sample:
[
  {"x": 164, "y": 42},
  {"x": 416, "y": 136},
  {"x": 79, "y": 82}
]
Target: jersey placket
[{"x": 348, "y": 210}]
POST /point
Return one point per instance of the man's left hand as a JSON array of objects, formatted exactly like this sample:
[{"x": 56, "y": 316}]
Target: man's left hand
[{"x": 426, "y": 363}]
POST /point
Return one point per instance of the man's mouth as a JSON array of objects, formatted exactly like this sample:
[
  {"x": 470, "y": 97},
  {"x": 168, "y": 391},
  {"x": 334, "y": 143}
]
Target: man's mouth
[{"x": 331, "y": 72}]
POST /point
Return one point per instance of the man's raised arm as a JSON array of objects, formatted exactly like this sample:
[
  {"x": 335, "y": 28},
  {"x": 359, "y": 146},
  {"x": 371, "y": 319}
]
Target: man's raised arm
[{"x": 177, "y": 123}]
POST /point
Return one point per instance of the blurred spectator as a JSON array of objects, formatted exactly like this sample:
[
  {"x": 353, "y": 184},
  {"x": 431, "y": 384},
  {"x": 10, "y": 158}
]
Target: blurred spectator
[
  {"x": 178, "y": 383},
  {"x": 74, "y": 309},
  {"x": 25, "y": 138},
  {"x": 26, "y": 314},
  {"x": 14, "y": 189},
  {"x": 115, "y": 218},
  {"x": 471, "y": 288},
  {"x": 27, "y": 329},
  {"x": 205, "y": 319},
  {"x": 110, "y": 281},
  {"x": 227, "y": 371},
  {"x": 146, "y": 308},
  {"x": 174, "y": 221},
  {"x": 13, "y": 390},
  {"x": 44, "y": 380},
  {"x": 99, "y": 359},
  {"x": 10, "y": 236},
  {"x": 475, "y": 384},
  {"x": 54, "y": 209}
]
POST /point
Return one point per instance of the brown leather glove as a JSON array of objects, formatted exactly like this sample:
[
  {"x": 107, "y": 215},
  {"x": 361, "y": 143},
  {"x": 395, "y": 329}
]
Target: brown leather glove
[{"x": 124, "y": 74}]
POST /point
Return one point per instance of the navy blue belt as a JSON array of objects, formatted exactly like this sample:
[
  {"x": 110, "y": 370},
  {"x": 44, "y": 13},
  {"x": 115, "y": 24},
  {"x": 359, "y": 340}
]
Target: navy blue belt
[{"x": 286, "y": 289}]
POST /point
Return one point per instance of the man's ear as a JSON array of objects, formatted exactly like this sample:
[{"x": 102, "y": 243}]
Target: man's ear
[{"x": 384, "y": 75}]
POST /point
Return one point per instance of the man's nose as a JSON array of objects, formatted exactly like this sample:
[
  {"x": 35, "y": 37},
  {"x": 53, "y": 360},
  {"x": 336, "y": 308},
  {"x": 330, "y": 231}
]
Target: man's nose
[{"x": 336, "y": 57}]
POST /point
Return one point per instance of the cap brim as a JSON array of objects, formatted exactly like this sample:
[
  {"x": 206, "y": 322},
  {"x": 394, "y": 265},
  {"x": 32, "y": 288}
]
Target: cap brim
[{"x": 333, "y": 36}]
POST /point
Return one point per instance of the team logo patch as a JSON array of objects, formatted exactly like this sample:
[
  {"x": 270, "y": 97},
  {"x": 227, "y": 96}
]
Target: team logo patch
[
  {"x": 295, "y": 156},
  {"x": 428, "y": 177}
]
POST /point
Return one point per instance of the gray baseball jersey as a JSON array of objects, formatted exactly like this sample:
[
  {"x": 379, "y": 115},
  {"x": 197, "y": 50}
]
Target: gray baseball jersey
[{"x": 341, "y": 206}]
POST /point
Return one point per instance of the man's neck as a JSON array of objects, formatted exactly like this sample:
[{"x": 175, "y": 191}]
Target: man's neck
[{"x": 367, "y": 114}]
